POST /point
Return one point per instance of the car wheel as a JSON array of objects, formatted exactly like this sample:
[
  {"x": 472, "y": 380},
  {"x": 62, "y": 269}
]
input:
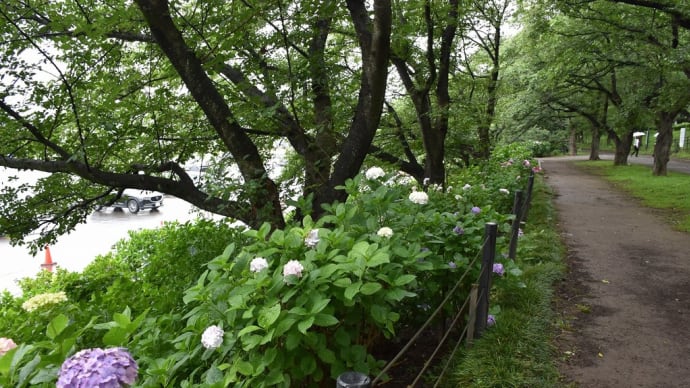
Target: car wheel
[
  {"x": 133, "y": 206},
  {"x": 98, "y": 208}
]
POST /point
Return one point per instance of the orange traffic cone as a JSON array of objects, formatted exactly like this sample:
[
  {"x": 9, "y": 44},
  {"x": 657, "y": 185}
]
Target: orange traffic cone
[{"x": 48, "y": 262}]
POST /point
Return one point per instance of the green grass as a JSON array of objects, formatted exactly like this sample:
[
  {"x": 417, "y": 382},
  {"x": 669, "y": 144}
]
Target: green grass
[
  {"x": 667, "y": 193},
  {"x": 517, "y": 351}
]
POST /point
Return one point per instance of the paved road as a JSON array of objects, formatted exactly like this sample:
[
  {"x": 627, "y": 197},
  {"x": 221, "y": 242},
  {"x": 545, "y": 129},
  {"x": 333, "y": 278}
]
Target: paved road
[{"x": 626, "y": 296}]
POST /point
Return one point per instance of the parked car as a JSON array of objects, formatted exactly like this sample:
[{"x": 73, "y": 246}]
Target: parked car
[{"x": 135, "y": 200}]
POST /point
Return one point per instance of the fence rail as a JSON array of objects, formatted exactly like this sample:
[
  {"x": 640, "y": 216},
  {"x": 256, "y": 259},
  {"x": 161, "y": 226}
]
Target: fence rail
[{"x": 475, "y": 306}]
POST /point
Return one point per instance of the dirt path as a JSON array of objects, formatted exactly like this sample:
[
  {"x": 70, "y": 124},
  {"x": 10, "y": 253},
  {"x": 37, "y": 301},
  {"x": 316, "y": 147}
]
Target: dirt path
[{"x": 626, "y": 299}]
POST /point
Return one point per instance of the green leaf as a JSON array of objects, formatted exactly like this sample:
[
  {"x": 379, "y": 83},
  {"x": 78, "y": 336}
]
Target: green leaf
[
  {"x": 319, "y": 305},
  {"x": 56, "y": 326},
  {"x": 370, "y": 288},
  {"x": 352, "y": 290},
  {"x": 307, "y": 364},
  {"x": 379, "y": 258},
  {"x": 398, "y": 294},
  {"x": 275, "y": 377},
  {"x": 244, "y": 367},
  {"x": 379, "y": 313},
  {"x": 304, "y": 325},
  {"x": 293, "y": 340},
  {"x": 45, "y": 375},
  {"x": 404, "y": 279},
  {"x": 284, "y": 325},
  {"x": 267, "y": 316},
  {"x": 342, "y": 282},
  {"x": 325, "y": 320},
  {"x": 28, "y": 369},
  {"x": 359, "y": 249},
  {"x": 123, "y": 319},
  {"x": 116, "y": 336},
  {"x": 251, "y": 341},
  {"x": 248, "y": 329},
  {"x": 326, "y": 355},
  {"x": 213, "y": 375}
]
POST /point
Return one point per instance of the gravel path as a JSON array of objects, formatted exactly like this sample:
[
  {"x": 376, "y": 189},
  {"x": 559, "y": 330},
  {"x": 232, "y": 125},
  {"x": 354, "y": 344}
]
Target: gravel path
[{"x": 626, "y": 299}]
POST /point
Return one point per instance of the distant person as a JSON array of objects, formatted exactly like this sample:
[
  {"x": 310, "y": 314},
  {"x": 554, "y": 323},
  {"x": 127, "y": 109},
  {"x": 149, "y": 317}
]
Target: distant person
[{"x": 636, "y": 147}]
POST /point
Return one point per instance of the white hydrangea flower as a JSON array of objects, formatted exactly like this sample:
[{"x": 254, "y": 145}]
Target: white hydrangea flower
[
  {"x": 44, "y": 299},
  {"x": 467, "y": 186},
  {"x": 385, "y": 232},
  {"x": 212, "y": 337},
  {"x": 374, "y": 173},
  {"x": 404, "y": 180},
  {"x": 504, "y": 191},
  {"x": 312, "y": 238},
  {"x": 293, "y": 267},
  {"x": 419, "y": 197},
  {"x": 258, "y": 264}
]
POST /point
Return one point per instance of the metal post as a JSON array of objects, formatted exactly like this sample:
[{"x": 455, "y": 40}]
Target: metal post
[
  {"x": 490, "y": 231},
  {"x": 517, "y": 211},
  {"x": 528, "y": 198},
  {"x": 353, "y": 380}
]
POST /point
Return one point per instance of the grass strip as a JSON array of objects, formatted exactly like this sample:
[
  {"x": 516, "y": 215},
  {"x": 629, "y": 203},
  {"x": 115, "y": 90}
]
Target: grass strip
[{"x": 518, "y": 351}]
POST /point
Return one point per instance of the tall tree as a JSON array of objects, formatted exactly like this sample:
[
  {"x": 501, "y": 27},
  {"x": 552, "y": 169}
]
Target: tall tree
[{"x": 112, "y": 96}]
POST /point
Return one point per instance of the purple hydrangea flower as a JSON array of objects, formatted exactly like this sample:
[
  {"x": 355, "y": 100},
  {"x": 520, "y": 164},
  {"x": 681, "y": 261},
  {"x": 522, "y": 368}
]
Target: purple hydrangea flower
[
  {"x": 498, "y": 269},
  {"x": 490, "y": 320},
  {"x": 452, "y": 265},
  {"x": 458, "y": 230},
  {"x": 98, "y": 368},
  {"x": 476, "y": 210}
]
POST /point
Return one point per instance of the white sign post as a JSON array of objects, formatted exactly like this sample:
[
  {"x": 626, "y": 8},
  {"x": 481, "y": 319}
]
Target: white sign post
[{"x": 682, "y": 138}]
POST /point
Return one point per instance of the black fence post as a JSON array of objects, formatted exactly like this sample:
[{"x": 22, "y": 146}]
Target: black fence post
[
  {"x": 489, "y": 253},
  {"x": 353, "y": 380},
  {"x": 515, "y": 230},
  {"x": 528, "y": 198}
]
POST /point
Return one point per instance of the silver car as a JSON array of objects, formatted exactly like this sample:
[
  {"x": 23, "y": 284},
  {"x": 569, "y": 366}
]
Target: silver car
[{"x": 135, "y": 200}]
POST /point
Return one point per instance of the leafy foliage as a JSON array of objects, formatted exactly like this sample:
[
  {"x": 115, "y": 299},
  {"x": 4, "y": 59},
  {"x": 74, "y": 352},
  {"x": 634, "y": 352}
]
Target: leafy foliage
[{"x": 367, "y": 270}]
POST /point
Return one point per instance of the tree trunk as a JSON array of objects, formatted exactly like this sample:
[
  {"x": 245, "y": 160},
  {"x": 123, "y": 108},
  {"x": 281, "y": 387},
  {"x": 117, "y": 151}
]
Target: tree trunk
[
  {"x": 594, "y": 146},
  {"x": 373, "y": 36},
  {"x": 572, "y": 141},
  {"x": 620, "y": 158},
  {"x": 662, "y": 148}
]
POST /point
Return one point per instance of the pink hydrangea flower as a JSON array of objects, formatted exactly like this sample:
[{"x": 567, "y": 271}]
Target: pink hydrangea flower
[
  {"x": 293, "y": 267},
  {"x": 258, "y": 264},
  {"x": 6, "y": 344}
]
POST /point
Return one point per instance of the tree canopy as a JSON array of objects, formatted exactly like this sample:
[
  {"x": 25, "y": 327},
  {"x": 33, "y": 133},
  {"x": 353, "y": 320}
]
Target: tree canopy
[{"x": 112, "y": 96}]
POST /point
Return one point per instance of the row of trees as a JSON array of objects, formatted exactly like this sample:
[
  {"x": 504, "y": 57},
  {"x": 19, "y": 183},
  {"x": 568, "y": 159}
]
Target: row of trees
[
  {"x": 106, "y": 97},
  {"x": 607, "y": 67}
]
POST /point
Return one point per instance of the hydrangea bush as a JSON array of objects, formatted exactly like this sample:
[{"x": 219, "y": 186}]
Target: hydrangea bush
[
  {"x": 290, "y": 307},
  {"x": 301, "y": 305}
]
